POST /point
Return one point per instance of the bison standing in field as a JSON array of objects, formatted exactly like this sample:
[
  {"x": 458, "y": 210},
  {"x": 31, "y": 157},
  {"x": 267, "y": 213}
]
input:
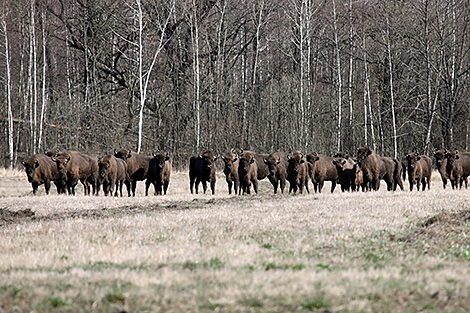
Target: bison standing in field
[
  {"x": 159, "y": 173},
  {"x": 321, "y": 169},
  {"x": 441, "y": 165},
  {"x": 74, "y": 166},
  {"x": 375, "y": 168},
  {"x": 40, "y": 169},
  {"x": 458, "y": 167},
  {"x": 137, "y": 168},
  {"x": 202, "y": 169},
  {"x": 112, "y": 173},
  {"x": 346, "y": 169},
  {"x": 231, "y": 161},
  {"x": 248, "y": 172},
  {"x": 277, "y": 166},
  {"x": 297, "y": 172},
  {"x": 419, "y": 168}
]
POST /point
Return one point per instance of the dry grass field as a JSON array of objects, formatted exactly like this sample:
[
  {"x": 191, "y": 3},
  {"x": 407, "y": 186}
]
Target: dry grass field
[{"x": 342, "y": 252}]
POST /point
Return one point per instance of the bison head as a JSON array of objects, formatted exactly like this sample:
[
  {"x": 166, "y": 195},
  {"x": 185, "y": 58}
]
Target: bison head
[
  {"x": 229, "y": 159},
  {"x": 62, "y": 161},
  {"x": 451, "y": 156},
  {"x": 362, "y": 154},
  {"x": 246, "y": 159},
  {"x": 160, "y": 158},
  {"x": 411, "y": 159},
  {"x": 295, "y": 161},
  {"x": 209, "y": 159},
  {"x": 103, "y": 169},
  {"x": 272, "y": 162},
  {"x": 123, "y": 154},
  {"x": 30, "y": 169}
]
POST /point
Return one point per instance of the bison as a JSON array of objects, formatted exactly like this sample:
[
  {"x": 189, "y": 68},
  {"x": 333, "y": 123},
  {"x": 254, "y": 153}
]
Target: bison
[
  {"x": 419, "y": 168},
  {"x": 112, "y": 172},
  {"x": 137, "y": 168},
  {"x": 441, "y": 165},
  {"x": 346, "y": 169},
  {"x": 202, "y": 169},
  {"x": 248, "y": 172},
  {"x": 297, "y": 172},
  {"x": 321, "y": 169},
  {"x": 277, "y": 166},
  {"x": 263, "y": 170},
  {"x": 231, "y": 161},
  {"x": 159, "y": 173},
  {"x": 375, "y": 168},
  {"x": 458, "y": 167},
  {"x": 40, "y": 169},
  {"x": 74, "y": 166}
]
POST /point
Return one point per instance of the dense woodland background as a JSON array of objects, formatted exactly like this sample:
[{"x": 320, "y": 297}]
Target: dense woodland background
[{"x": 186, "y": 75}]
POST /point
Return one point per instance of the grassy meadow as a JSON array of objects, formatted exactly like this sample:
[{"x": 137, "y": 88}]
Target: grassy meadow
[{"x": 342, "y": 252}]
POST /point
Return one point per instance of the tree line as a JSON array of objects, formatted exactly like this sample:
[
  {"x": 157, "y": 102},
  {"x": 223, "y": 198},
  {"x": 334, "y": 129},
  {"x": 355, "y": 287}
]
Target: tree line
[{"x": 184, "y": 76}]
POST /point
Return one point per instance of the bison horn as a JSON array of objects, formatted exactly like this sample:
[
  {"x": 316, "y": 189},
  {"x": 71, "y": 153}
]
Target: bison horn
[
  {"x": 231, "y": 150},
  {"x": 115, "y": 151},
  {"x": 54, "y": 158},
  {"x": 68, "y": 157}
]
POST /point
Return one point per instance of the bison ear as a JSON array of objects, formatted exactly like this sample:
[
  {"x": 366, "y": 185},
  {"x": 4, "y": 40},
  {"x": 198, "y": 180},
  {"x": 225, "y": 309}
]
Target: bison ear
[
  {"x": 215, "y": 159},
  {"x": 316, "y": 158},
  {"x": 335, "y": 162},
  {"x": 418, "y": 158},
  {"x": 129, "y": 154},
  {"x": 167, "y": 158}
]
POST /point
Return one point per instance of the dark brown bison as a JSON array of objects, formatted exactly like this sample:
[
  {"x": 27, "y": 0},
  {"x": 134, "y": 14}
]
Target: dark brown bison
[
  {"x": 458, "y": 167},
  {"x": 263, "y": 170},
  {"x": 112, "y": 173},
  {"x": 137, "y": 168},
  {"x": 277, "y": 166},
  {"x": 159, "y": 173},
  {"x": 375, "y": 168},
  {"x": 346, "y": 169},
  {"x": 441, "y": 165},
  {"x": 40, "y": 169},
  {"x": 248, "y": 172},
  {"x": 321, "y": 169},
  {"x": 202, "y": 169},
  {"x": 231, "y": 161},
  {"x": 419, "y": 168},
  {"x": 74, "y": 166},
  {"x": 297, "y": 172}
]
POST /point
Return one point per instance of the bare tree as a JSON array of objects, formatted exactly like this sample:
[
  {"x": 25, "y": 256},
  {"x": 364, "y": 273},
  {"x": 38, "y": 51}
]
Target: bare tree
[{"x": 8, "y": 90}]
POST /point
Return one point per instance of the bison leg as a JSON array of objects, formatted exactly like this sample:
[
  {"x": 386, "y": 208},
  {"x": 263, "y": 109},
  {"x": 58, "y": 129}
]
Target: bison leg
[
  {"x": 35, "y": 188},
  {"x": 333, "y": 185},
  {"x": 147, "y": 185},
  {"x": 282, "y": 183},
  {"x": 213, "y": 186},
  {"x": 255, "y": 186},
  {"x": 165, "y": 186},
  {"x": 134, "y": 186},
  {"x": 191, "y": 184}
]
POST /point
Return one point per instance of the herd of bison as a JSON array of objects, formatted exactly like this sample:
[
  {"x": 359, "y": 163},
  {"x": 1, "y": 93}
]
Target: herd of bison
[{"x": 243, "y": 169}]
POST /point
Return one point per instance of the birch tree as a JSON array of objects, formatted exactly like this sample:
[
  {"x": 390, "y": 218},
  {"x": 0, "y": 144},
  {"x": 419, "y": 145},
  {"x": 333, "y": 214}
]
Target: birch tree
[
  {"x": 145, "y": 74},
  {"x": 340, "y": 81},
  {"x": 8, "y": 88}
]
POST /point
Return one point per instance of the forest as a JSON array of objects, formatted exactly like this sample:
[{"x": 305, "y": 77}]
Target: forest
[{"x": 189, "y": 75}]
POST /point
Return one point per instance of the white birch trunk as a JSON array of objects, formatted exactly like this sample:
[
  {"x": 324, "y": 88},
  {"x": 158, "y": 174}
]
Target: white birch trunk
[
  {"x": 368, "y": 96},
  {"x": 392, "y": 98},
  {"x": 8, "y": 93},
  {"x": 44, "y": 94},
  {"x": 340, "y": 83},
  {"x": 197, "y": 104},
  {"x": 144, "y": 78}
]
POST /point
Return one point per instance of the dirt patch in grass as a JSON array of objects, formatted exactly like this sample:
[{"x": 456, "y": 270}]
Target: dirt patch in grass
[
  {"x": 8, "y": 216},
  {"x": 441, "y": 231}
]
